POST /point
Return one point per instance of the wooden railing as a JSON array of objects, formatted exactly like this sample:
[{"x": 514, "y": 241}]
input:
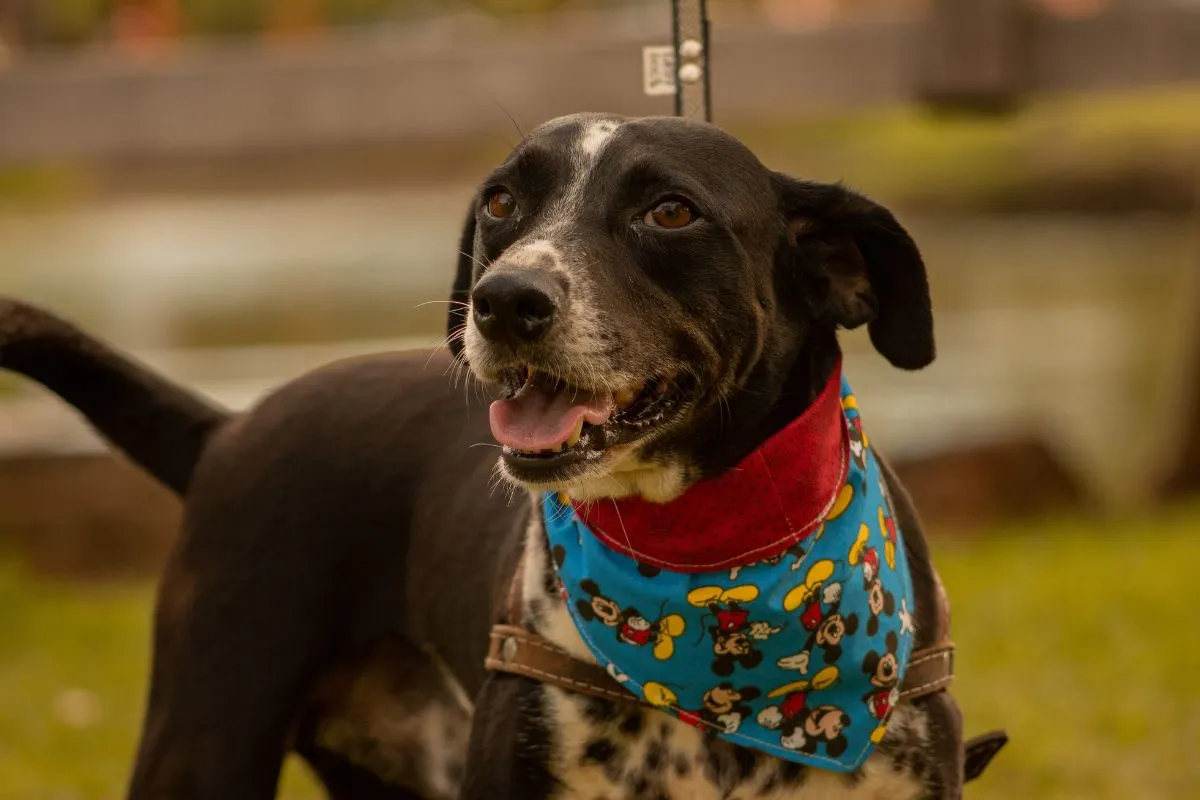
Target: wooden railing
[{"x": 368, "y": 88}]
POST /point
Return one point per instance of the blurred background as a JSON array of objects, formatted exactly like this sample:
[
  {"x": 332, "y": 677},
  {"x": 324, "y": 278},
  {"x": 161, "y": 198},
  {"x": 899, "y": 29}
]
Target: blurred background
[{"x": 240, "y": 190}]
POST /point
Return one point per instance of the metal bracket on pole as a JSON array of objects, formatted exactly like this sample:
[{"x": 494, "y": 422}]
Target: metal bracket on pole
[
  {"x": 693, "y": 97},
  {"x": 683, "y": 68}
]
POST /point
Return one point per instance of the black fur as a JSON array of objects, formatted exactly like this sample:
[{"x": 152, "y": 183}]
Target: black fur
[{"x": 349, "y": 510}]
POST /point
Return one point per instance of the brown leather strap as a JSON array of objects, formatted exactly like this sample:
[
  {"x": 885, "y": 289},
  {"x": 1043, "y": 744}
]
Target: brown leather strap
[
  {"x": 930, "y": 670},
  {"x": 516, "y": 650},
  {"x": 520, "y": 652}
]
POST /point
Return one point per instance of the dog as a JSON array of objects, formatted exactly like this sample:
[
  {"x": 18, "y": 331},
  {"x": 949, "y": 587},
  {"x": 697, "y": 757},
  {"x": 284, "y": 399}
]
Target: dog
[{"x": 346, "y": 546}]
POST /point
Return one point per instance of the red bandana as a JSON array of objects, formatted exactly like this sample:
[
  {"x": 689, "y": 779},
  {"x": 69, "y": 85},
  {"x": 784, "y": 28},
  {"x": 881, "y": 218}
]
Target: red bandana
[{"x": 776, "y": 497}]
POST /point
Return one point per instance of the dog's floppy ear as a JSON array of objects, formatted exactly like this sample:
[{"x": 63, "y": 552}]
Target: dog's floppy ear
[
  {"x": 460, "y": 293},
  {"x": 858, "y": 265}
]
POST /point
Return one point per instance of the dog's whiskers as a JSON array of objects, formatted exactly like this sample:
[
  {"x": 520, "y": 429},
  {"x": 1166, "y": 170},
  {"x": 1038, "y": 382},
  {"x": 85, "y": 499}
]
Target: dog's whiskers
[
  {"x": 447, "y": 302},
  {"x": 478, "y": 262}
]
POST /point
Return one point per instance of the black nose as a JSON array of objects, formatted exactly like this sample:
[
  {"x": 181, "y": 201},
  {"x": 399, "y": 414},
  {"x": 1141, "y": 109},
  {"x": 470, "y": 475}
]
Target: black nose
[{"x": 516, "y": 305}]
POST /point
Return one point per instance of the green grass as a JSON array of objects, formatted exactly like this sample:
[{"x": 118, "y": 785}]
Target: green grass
[
  {"x": 1083, "y": 640},
  {"x": 56, "y": 640},
  {"x": 1080, "y": 638},
  {"x": 1138, "y": 149}
]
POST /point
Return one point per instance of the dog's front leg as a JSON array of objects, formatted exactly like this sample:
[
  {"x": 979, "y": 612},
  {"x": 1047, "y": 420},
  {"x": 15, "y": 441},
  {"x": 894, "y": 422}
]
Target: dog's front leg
[
  {"x": 510, "y": 750},
  {"x": 945, "y": 744}
]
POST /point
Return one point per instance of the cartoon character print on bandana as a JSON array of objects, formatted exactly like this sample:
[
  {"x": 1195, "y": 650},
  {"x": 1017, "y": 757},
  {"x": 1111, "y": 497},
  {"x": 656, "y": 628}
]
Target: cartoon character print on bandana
[
  {"x": 827, "y": 626},
  {"x": 798, "y": 653},
  {"x": 632, "y": 627},
  {"x": 804, "y": 726},
  {"x": 880, "y": 601},
  {"x": 734, "y": 634},
  {"x": 796, "y": 551},
  {"x": 882, "y": 669},
  {"x": 858, "y": 437},
  {"x": 724, "y": 707}
]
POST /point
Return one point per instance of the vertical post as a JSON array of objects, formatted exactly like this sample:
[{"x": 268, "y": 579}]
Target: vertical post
[
  {"x": 972, "y": 54},
  {"x": 1182, "y": 468},
  {"x": 693, "y": 97}
]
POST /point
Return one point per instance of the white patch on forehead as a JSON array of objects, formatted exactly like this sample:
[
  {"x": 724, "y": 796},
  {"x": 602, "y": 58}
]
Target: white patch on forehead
[
  {"x": 529, "y": 254},
  {"x": 595, "y": 135}
]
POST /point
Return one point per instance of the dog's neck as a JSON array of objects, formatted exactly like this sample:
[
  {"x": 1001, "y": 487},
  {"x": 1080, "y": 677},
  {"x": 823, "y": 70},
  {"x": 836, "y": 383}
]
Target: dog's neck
[
  {"x": 776, "y": 495},
  {"x": 799, "y": 380}
]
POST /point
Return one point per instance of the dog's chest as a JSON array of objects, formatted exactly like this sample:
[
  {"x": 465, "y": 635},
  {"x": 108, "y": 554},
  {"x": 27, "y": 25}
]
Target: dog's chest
[
  {"x": 604, "y": 750},
  {"x": 600, "y": 749}
]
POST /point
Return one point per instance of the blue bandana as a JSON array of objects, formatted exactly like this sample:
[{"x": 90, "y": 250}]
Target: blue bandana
[{"x": 799, "y": 655}]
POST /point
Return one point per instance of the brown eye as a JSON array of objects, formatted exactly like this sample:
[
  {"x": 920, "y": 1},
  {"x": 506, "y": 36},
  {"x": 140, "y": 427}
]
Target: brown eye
[
  {"x": 670, "y": 214},
  {"x": 501, "y": 204}
]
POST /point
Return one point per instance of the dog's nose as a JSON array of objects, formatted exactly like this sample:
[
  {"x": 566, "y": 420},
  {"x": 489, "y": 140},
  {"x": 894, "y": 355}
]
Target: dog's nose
[{"x": 516, "y": 305}]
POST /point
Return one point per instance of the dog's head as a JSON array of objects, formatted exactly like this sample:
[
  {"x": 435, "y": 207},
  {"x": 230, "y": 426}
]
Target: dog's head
[{"x": 655, "y": 303}]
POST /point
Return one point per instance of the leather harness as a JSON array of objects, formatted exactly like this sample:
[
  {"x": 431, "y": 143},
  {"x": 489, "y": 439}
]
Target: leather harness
[{"x": 517, "y": 650}]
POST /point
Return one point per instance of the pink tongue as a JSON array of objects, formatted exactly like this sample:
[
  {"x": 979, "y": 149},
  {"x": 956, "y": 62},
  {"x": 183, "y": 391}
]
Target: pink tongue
[{"x": 537, "y": 419}]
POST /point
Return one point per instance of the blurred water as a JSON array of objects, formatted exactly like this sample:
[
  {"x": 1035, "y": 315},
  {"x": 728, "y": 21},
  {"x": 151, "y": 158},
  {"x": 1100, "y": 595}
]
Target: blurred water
[{"x": 1070, "y": 325}]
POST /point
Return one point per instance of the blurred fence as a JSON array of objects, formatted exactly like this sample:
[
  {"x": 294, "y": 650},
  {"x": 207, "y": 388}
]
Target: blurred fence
[{"x": 458, "y": 77}]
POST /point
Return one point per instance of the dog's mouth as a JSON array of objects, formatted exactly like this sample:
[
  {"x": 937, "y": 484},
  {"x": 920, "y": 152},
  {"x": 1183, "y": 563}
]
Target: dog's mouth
[{"x": 546, "y": 424}]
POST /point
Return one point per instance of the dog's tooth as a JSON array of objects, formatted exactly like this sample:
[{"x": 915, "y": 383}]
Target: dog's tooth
[
  {"x": 624, "y": 397},
  {"x": 573, "y": 439}
]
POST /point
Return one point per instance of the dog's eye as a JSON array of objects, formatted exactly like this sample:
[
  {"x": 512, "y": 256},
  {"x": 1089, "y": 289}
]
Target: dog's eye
[
  {"x": 501, "y": 204},
  {"x": 670, "y": 214}
]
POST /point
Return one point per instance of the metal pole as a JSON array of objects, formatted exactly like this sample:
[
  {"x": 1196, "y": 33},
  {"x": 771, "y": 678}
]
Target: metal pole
[{"x": 693, "y": 96}]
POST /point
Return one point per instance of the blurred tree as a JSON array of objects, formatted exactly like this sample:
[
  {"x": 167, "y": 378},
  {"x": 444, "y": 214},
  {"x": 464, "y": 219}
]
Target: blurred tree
[
  {"x": 68, "y": 21},
  {"x": 356, "y": 12},
  {"x": 974, "y": 54},
  {"x": 503, "y": 7},
  {"x": 146, "y": 27},
  {"x": 294, "y": 19},
  {"x": 16, "y": 24},
  {"x": 224, "y": 17}
]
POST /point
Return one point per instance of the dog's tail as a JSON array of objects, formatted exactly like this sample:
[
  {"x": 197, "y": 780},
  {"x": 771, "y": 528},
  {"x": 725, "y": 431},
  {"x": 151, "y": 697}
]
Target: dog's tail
[{"x": 159, "y": 425}]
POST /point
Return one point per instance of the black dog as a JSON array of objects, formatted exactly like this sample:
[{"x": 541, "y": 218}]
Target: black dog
[{"x": 343, "y": 556}]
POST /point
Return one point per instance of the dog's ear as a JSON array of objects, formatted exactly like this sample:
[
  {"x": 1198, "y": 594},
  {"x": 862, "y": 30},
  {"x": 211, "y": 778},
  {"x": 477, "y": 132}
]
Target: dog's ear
[
  {"x": 857, "y": 265},
  {"x": 460, "y": 292}
]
